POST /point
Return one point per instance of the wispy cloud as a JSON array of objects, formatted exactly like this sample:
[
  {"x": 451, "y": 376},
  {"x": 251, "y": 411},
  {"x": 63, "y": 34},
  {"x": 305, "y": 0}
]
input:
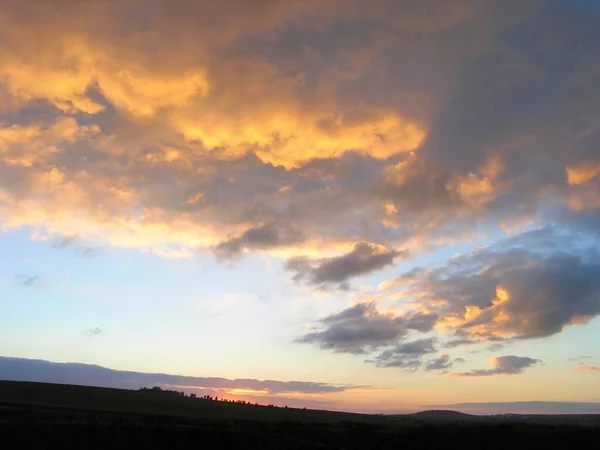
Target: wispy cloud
[
  {"x": 443, "y": 363},
  {"x": 586, "y": 368},
  {"x": 27, "y": 280}
]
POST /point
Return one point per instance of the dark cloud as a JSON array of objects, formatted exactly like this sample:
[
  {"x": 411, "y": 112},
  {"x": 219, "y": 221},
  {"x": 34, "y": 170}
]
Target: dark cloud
[
  {"x": 442, "y": 363},
  {"x": 418, "y": 186},
  {"x": 263, "y": 237},
  {"x": 529, "y": 286},
  {"x": 27, "y": 280},
  {"x": 19, "y": 369},
  {"x": 406, "y": 355},
  {"x": 362, "y": 328},
  {"x": 362, "y": 260},
  {"x": 503, "y": 365}
]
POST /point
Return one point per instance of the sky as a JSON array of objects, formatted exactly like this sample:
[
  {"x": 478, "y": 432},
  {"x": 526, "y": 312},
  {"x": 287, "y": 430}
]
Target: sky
[{"x": 367, "y": 206}]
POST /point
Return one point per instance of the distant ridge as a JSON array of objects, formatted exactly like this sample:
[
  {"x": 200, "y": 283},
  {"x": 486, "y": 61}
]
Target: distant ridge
[
  {"x": 437, "y": 415},
  {"x": 441, "y": 413}
]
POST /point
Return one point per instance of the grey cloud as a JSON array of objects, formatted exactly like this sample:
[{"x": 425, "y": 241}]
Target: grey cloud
[
  {"x": 87, "y": 252},
  {"x": 442, "y": 363},
  {"x": 418, "y": 186},
  {"x": 27, "y": 280},
  {"x": 363, "y": 328},
  {"x": 547, "y": 280},
  {"x": 258, "y": 238},
  {"x": 503, "y": 365},
  {"x": 406, "y": 355},
  {"x": 94, "y": 331},
  {"x": 363, "y": 259},
  {"x": 63, "y": 242},
  {"x": 19, "y": 369},
  {"x": 580, "y": 358}
]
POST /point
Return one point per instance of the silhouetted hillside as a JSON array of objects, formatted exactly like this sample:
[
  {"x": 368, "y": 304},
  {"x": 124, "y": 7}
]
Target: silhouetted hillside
[{"x": 47, "y": 416}]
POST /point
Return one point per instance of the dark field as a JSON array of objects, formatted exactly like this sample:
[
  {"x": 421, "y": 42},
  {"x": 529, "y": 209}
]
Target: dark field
[{"x": 44, "y": 416}]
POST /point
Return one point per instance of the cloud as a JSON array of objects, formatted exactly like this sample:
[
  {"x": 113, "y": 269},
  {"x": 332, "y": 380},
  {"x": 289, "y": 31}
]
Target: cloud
[
  {"x": 27, "y": 280},
  {"x": 406, "y": 355},
  {"x": 363, "y": 259},
  {"x": 530, "y": 286},
  {"x": 133, "y": 125},
  {"x": 19, "y": 369},
  {"x": 64, "y": 241},
  {"x": 503, "y": 365},
  {"x": 443, "y": 363},
  {"x": 586, "y": 368},
  {"x": 261, "y": 237},
  {"x": 94, "y": 331},
  {"x": 362, "y": 328},
  {"x": 580, "y": 358}
]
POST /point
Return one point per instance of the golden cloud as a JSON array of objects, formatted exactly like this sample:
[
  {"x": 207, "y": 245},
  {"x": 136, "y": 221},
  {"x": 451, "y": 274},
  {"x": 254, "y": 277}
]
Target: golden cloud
[{"x": 163, "y": 104}]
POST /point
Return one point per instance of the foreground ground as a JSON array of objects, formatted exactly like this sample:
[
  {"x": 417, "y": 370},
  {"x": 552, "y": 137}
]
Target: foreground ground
[{"x": 44, "y": 416}]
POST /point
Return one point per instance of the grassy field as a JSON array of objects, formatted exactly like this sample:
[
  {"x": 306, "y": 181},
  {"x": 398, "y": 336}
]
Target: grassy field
[{"x": 48, "y": 416}]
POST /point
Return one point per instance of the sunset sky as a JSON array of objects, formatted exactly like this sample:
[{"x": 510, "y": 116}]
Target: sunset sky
[{"x": 360, "y": 205}]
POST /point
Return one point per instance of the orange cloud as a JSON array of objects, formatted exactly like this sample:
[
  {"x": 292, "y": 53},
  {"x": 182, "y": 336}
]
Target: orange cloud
[
  {"x": 182, "y": 99},
  {"x": 582, "y": 173},
  {"x": 587, "y": 369}
]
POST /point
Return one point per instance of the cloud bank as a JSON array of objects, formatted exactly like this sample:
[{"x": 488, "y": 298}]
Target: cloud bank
[
  {"x": 388, "y": 125},
  {"x": 19, "y": 369}
]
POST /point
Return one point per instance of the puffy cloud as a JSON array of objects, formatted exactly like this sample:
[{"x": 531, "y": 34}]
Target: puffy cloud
[
  {"x": 362, "y": 328},
  {"x": 529, "y": 286},
  {"x": 363, "y": 259},
  {"x": 503, "y": 365},
  {"x": 94, "y": 331},
  {"x": 174, "y": 128}
]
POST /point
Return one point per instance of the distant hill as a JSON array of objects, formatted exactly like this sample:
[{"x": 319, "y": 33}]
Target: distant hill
[
  {"x": 437, "y": 415},
  {"x": 442, "y": 413}
]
